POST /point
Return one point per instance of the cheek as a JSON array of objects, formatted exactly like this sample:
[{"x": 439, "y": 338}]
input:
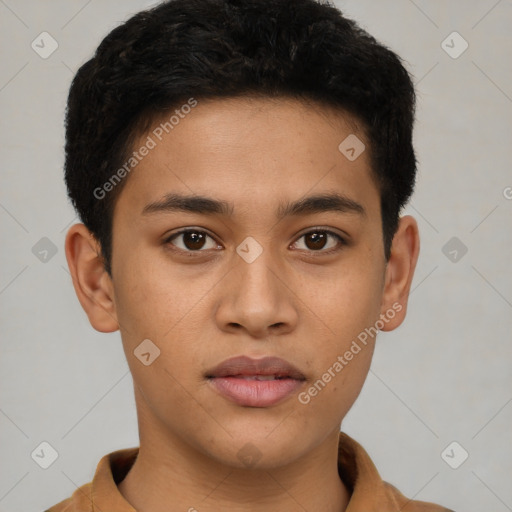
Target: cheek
[
  {"x": 157, "y": 305},
  {"x": 348, "y": 308},
  {"x": 347, "y": 305},
  {"x": 163, "y": 396},
  {"x": 152, "y": 298},
  {"x": 331, "y": 394}
]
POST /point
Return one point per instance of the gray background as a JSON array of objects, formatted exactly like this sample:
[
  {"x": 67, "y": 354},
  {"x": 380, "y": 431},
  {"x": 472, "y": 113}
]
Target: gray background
[{"x": 445, "y": 375}]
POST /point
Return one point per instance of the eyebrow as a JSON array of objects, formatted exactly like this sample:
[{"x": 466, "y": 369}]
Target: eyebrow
[{"x": 330, "y": 202}]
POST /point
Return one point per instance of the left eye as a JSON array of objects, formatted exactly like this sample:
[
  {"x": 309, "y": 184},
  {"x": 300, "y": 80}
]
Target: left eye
[{"x": 318, "y": 240}]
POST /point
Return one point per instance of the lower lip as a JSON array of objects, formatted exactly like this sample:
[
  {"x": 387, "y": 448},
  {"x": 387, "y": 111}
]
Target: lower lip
[{"x": 255, "y": 393}]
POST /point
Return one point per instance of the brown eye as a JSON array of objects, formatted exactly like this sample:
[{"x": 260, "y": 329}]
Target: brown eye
[
  {"x": 192, "y": 240},
  {"x": 321, "y": 240},
  {"x": 316, "y": 241}
]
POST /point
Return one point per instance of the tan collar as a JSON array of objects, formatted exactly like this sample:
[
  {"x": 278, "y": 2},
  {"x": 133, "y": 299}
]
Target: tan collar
[{"x": 369, "y": 492}]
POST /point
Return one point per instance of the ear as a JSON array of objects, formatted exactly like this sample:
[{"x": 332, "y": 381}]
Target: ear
[
  {"x": 405, "y": 249},
  {"x": 93, "y": 285}
]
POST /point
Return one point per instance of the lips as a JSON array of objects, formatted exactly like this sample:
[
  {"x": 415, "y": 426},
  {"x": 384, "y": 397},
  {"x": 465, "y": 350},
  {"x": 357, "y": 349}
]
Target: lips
[
  {"x": 255, "y": 382},
  {"x": 246, "y": 366}
]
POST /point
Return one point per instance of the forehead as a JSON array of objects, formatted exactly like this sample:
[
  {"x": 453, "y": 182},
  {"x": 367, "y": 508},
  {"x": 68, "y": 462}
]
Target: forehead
[{"x": 251, "y": 151}]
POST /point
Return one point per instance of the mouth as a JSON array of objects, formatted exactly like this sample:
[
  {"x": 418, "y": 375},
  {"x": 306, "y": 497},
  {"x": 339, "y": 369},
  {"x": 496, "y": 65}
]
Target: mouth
[{"x": 255, "y": 382}]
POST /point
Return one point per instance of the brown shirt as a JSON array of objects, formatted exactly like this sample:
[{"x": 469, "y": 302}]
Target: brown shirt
[{"x": 368, "y": 492}]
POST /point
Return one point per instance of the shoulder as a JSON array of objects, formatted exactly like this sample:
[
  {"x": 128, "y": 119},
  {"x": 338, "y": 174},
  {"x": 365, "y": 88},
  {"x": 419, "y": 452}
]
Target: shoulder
[
  {"x": 79, "y": 501},
  {"x": 408, "y": 505}
]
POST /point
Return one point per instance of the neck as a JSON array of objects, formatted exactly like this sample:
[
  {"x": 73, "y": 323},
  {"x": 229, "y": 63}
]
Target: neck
[{"x": 169, "y": 475}]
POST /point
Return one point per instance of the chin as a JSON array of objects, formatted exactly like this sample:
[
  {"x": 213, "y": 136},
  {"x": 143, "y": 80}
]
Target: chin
[{"x": 252, "y": 448}]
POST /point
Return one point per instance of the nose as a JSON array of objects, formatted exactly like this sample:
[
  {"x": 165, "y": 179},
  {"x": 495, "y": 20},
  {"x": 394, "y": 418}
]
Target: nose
[{"x": 257, "y": 299}]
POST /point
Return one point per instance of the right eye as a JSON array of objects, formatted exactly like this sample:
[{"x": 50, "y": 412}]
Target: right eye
[{"x": 191, "y": 240}]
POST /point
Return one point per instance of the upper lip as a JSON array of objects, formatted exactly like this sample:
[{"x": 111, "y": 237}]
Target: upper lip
[{"x": 245, "y": 366}]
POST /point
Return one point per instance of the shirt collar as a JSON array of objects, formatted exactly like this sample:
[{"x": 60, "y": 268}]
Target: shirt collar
[{"x": 368, "y": 491}]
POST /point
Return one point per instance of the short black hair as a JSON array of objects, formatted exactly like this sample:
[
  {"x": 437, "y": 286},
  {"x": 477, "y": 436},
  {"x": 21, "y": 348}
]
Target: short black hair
[{"x": 182, "y": 49}]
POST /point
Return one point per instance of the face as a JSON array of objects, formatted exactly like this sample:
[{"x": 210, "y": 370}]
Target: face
[{"x": 284, "y": 259}]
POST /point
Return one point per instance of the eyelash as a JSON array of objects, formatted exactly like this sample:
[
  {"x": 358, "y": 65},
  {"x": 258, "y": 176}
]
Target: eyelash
[{"x": 341, "y": 241}]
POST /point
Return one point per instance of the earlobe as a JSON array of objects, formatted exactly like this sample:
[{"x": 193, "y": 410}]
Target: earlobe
[
  {"x": 93, "y": 285},
  {"x": 399, "y": 273}
]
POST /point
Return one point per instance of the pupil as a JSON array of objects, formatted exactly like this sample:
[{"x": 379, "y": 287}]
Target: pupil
[
  {"x": 318, "y": 240},
  {"x": 194, "y": 240}
]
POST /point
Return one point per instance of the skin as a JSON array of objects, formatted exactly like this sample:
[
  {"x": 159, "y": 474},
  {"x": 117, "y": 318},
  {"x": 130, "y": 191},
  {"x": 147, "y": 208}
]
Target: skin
[{"x": 199, "y": 308}]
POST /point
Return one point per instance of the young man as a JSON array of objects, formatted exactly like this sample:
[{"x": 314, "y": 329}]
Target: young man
[{"x": 239, "y": 167}]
